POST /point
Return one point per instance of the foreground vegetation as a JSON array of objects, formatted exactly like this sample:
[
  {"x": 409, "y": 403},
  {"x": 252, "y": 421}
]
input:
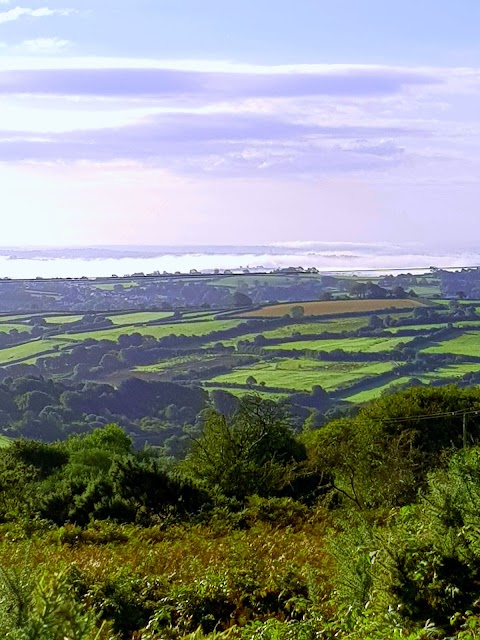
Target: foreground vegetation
[{"x": 365, "y": 528}]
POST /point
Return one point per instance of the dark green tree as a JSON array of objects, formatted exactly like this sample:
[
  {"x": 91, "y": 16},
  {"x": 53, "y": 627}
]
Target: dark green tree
[{"x": 253, "y": 451}]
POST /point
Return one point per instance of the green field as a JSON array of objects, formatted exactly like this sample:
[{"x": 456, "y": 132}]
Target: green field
[
  {"x": 29, "y": 350},
  {"x": 370, "y": 394},
  {"x": 427, "y": 291},
  {"x": 139, "y": 317},
  {"x": 349, "y": 345},
  {"x": 6, "y": 328},
  {"x": 160, "y": 367},
  {"x": 462, "y": 324},
  {"x": 312, "y": 328},
  {"x": 188, "y": 315},
  {"x": 309, "y": 328},
  {"x": 428, "y": 326},
  {"x": 276, "y": 371},
  {"x": 241, "y": 281},
  {"x": 468, "y": 344},
  {"x": 447, "y": 373},
  {"x": 450, "y": 371},
  {"x": 135, "y": 317},
  {"x": 110, "y": 287},
  {"x": 14, "y": 318},
  {"x": 245, "y": 391},
  {"x": 302, "y": 374},
  {"x": 62, "y": 319},
  {"x": 201, "y": 328}
]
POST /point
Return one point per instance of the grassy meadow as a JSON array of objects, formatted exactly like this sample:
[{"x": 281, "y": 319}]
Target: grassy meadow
[
  {"x": 30, "y": 350},
  {"x": 303, "y": 374},
  {"x": 350, "y": 345},
  {"x": 200, "y": 328},
  {"x": 468, "y": 344},
  {"x": 139, "y": 317}
]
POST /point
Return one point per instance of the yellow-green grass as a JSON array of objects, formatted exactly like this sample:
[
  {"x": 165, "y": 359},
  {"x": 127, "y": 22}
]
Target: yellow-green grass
[
  {"x": 4, "y": 442},
  {"x": 463, "y": 324},
  {"x": 450, "y": 371},
  {"x": 135, "y": 317},
  {"x": 302, "y": 374},
  {"x": 139, "y": 317},
  {"x": 349, "y": 345},
  {"x": 371, "y": 394},
  {"x": 309, "y": 328},
  {"x": 443, "y": 373},
  {"x": 160, "y": 367},
  {"x": 187, "y": 555},
  {"x": 201, "y": 328},
  {"x": 245, "y": 391},
  {"x": 332, "y": 307},
  {"x": 465, "y": 303},
  {"x": 62, "y": 319},
  {"x": 312, "y": 328},
  {"x": 6, "y": 328},
  {"x": 467, "y": 324},
  {"x": 316, "y": 328},
  {"x": 15, "y": 318},
  {"x": 28, "y": 350},
  {"x": 279, "y": 280},
  {"x": 428, "y": 326},
  {"x": 468, "y": 344},
  {"x": 110, "y": 287},
  {"x": 198, "y": 314},
  {"x": 416, "y": 327},
  {"x": 426, "y": 291}
]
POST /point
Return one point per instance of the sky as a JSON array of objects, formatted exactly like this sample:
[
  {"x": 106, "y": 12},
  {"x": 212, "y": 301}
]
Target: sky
[{"x": 239, "y": 122}]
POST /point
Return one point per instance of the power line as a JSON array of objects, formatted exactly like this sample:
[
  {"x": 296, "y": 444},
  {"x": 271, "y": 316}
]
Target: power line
[{"x": 432, "y": 416}]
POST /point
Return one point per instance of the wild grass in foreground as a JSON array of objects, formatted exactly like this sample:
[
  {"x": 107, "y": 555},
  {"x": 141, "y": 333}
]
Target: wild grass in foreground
[{"x": 366, "y": 528}]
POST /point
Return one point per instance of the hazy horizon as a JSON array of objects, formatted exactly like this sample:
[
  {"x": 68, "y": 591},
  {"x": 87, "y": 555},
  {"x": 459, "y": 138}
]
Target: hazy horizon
[
  {"x": 208, "y": 123},
  {"x": 105, "y": 261}
]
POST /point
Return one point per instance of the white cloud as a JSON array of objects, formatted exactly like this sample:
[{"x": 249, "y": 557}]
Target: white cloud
[
  {"x": 42, "y": 12},
  {"x": 44, "y": 45}
]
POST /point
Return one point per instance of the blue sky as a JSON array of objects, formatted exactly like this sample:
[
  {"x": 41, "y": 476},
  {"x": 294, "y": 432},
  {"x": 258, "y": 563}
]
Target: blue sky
[
  {"x": 266, "y": 31},
  {"x": 175, "y": 121}
]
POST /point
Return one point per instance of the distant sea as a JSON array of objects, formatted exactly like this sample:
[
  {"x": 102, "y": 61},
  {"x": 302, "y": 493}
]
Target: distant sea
[{"x": 75, "y": 262}]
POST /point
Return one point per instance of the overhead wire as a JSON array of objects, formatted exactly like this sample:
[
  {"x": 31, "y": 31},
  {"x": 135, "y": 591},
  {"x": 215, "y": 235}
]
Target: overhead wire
[{"x": 429, "y": 416}]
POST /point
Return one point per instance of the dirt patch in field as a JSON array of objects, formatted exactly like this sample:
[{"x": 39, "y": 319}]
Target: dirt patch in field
[{"x": 331, "y": 307}]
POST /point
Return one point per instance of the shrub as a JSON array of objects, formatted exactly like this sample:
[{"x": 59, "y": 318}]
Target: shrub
[{"x": 279, "y": 512}]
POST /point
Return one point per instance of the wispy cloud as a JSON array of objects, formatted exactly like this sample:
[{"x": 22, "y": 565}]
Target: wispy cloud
[
  {"x": 228, "y": 144},
  {"x": 44, "y": 45},
  {"x": 228, "y": 120},
  {"x": 20, "y": 12},
  {"x": 213, "y": 85}
]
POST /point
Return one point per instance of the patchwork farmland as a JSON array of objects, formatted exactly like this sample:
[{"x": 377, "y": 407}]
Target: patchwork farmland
[{"x": 351, "y": 347}]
